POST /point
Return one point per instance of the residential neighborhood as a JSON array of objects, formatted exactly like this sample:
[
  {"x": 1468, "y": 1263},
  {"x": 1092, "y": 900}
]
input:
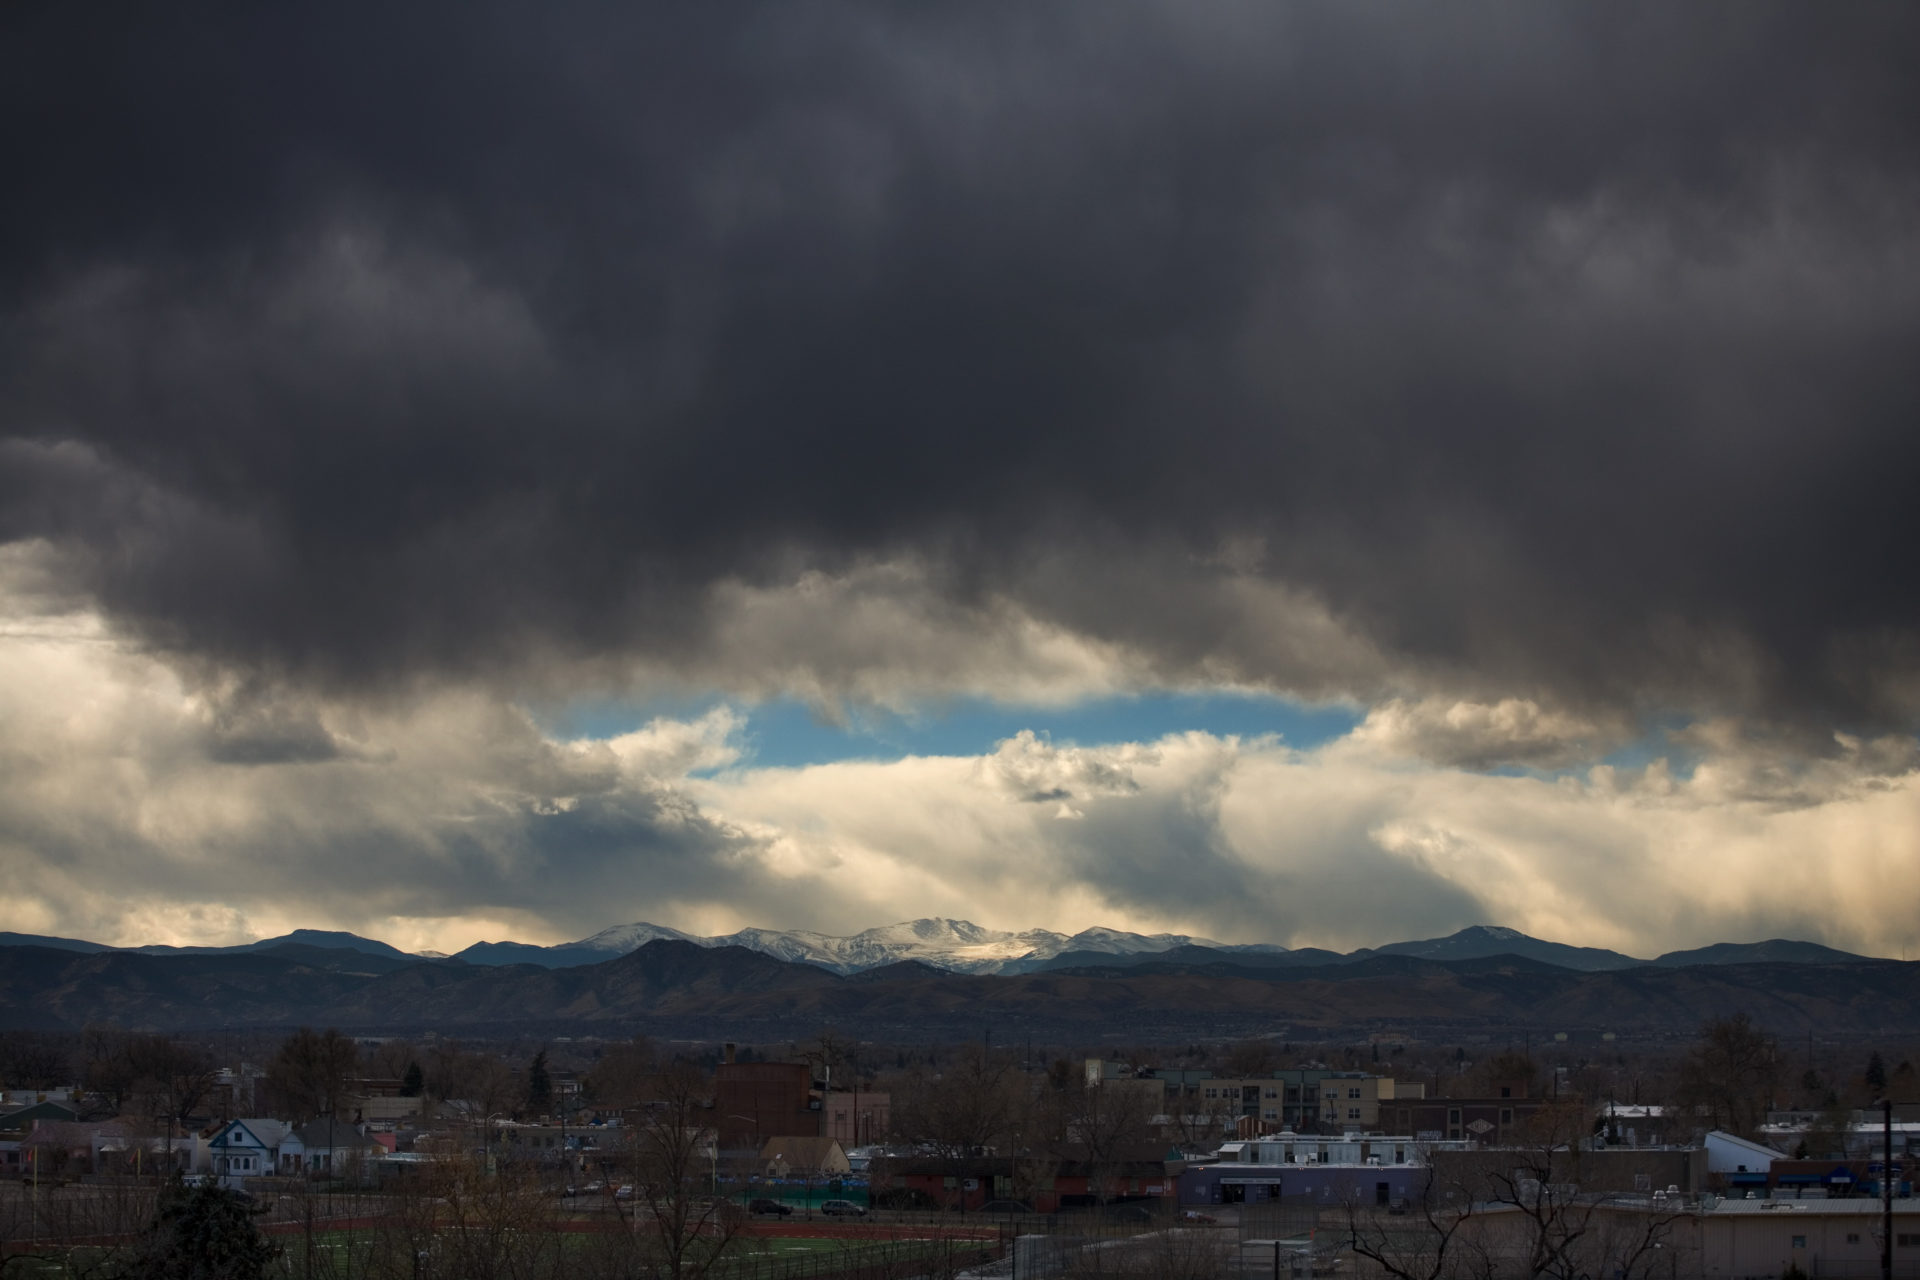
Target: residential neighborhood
[{"x": 1349, "y": 1170}]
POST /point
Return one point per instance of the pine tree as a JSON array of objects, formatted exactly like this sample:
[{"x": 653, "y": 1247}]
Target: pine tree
[
  {"x": 1876, "y": 1074},
  {"x": 413, "y": 1082},
  {"x": 202, "y": 1233},
  {"x": 539, "y": 1085}
]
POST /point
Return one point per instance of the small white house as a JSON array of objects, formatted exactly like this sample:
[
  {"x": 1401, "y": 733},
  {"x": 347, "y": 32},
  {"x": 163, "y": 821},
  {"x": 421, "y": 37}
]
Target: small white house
[{"x": 246, "y": 1148}]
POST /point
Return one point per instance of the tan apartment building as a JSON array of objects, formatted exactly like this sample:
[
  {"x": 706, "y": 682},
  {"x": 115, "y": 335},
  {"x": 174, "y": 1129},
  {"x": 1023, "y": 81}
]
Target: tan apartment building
[
  {"x": 1305, "y": 1100},
  {"x": 858, "y": 1118}
]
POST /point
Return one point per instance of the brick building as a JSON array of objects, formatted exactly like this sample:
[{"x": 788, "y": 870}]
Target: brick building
[{"x": 754, "y": 1101}]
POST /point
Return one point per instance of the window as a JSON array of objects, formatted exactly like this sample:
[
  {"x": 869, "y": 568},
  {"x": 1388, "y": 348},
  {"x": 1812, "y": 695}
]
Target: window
[
  {"x": 1213, "y": 1093},
  {"x": 1353, "y": 1113},
  {"x": 1453, "y": 1115},
  {"x": 1271, "y": 1114},
  {"x": 1907, "y": 1240},
  {"x": 1853, "y": 1237},
  {"x": 1506, "y": 1115},
  {"x": 1353, "y": 1091},
  {"x": 1273, "y": 1093},
  {"x": 1799, "y": 1242}
]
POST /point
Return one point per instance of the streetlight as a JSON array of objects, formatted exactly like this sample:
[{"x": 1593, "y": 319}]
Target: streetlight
[{"x": 753, "y": 1120}]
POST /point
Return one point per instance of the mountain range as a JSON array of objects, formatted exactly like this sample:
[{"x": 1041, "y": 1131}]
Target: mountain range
[
  {"x": 679, "y": 989},
  {"x": 959, "y": 946}
]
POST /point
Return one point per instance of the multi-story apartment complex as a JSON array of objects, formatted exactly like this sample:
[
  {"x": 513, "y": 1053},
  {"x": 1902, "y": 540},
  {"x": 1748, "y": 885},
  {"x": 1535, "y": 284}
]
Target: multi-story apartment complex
[{"x": 1305, "y": 1100}]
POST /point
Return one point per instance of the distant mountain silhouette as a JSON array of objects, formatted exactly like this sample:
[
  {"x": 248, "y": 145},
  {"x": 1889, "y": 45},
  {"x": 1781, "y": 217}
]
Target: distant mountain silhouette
[
  {"x": 326, "y": 938},
  {"x": 885, "y": 959},
  {"x": 1772, "y": 951},
  {"x": 57, "y": 944},
  {"x": 556, "y": 957},
  {"x": 683, "y": 989},
  {"x": 1481, "y": 940}
]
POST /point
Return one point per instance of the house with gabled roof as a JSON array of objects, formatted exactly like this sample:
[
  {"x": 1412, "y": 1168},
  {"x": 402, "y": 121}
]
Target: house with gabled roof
[
  {"x": 246, "y": 1148},
  {"x": 21, "y": 1119}
]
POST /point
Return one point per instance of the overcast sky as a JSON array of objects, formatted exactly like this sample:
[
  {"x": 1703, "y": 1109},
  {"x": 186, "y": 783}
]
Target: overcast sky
[{"x": 1294, "y": 473}]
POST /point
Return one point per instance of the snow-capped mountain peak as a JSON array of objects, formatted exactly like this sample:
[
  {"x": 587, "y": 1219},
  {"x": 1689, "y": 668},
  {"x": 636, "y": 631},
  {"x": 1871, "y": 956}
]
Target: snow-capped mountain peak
[
  {"x": 957, "y": 945},
  {"x": 623, "y": 938}
]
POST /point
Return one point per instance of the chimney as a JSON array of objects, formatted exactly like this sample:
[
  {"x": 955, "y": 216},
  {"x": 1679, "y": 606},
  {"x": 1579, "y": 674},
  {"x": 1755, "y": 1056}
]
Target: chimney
[{"x": 726, "y": 1054}]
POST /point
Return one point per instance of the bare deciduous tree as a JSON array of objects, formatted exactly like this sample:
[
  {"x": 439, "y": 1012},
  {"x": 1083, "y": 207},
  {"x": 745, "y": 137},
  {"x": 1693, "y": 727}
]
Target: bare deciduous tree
[
  {"x": 680, "y": 1230},
  {"x": 310, "y": 1072},
  {"x": 1421, "y": 1243},
  {"x": 1730, "y": 1074},
  {"x": 965, "y": 1110},
  {"x": 623, "y": 1073}
]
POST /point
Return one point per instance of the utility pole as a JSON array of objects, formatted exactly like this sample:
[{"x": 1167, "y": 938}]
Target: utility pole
[{"x": 1886, "y": 1189}]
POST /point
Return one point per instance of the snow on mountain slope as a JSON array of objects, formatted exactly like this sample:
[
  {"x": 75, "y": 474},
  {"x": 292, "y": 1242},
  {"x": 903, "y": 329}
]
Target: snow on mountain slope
[
  {"x": 1119, "y": 943},
  {"x": 957, "y": 945},
  {"x": 623, "y": 938}
]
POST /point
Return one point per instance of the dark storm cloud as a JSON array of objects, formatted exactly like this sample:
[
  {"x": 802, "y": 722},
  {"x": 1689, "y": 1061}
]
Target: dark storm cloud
[{"x": 1561, "y": 350}]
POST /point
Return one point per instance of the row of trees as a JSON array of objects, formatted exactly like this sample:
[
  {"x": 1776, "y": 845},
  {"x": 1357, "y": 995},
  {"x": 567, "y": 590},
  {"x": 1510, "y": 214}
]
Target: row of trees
[{"x": 1730, "y": 1077}]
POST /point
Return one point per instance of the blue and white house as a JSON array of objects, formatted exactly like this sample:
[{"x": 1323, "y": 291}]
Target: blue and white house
[{"x": 246, "y": 1149}]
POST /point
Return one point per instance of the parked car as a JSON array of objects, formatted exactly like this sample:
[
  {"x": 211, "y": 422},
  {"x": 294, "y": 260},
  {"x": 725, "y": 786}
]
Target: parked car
[
  {"x": 770, "y": 1206},
  {"x": 250, "y": 1202},
  {"x": 842, "y": 1209},
  {"x": 904, "y": 1198},
  {"x": 624, "y": 1191}
]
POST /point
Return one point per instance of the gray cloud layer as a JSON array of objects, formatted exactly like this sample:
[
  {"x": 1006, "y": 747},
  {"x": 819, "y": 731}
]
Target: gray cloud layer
[{"x": 1548, "y": 352}]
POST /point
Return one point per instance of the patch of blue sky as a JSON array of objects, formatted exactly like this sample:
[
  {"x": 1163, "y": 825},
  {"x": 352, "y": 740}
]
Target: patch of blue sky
[
  {"x": 1655, "y": 741},
  {"x": 787, "y": 733}
]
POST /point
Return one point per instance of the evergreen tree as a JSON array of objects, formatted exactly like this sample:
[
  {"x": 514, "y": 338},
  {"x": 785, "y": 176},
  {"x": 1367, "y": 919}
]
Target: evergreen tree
[
  {"x": 1876, "y": 1074},
  {"x": 201, "y": 1233},
  {"x": 539, "y": 1085},
  {"x": 413, "y": 1082}
]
